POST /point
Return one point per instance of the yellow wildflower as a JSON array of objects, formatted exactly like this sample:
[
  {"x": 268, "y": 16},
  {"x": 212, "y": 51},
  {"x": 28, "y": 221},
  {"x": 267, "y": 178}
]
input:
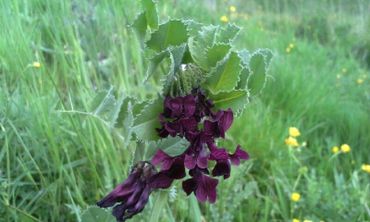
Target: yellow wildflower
[
  {"x": 296, "y": 220},
  {"x": 335, "y": 149},
  {"x": 224, "y": 18},
  {"x": 345, "y": 148},
  {"x": 307, "y": 220},
  {"x": 287, "y": 50},
  {"x": 360, "y": 81},
  {"x": 291, "y": 45},
  {"x": 294, "y": 132},
  {"x": 295, "y": 197},
  {"x": 36, "y": 64},
  {"x": 291, "y": 141},
  {"x": 366, "y": 168},
  {"x": 232, "y": 8}
]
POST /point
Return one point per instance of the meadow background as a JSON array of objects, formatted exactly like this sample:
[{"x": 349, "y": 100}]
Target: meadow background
[{"x": 58, "y": 154}]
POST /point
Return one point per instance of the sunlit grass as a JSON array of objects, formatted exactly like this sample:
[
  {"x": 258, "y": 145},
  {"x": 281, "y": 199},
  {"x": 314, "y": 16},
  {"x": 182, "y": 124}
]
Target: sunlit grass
[{"x": 56, "y": 157}]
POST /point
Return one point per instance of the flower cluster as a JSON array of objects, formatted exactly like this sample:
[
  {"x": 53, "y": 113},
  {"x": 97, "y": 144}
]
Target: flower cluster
[
  {"x": 191, "y": 117},
  {"x": 133, "y": 193},
  {"x": 293, "y": 134}
]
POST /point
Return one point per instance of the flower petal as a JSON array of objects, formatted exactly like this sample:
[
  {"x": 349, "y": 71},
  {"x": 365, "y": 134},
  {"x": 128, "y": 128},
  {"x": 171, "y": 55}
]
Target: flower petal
[{"x": 238, "y": 155}]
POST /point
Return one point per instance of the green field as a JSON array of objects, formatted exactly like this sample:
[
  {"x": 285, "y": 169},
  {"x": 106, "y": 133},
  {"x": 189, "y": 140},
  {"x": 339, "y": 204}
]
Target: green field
[{"x": 59, "y": 152}]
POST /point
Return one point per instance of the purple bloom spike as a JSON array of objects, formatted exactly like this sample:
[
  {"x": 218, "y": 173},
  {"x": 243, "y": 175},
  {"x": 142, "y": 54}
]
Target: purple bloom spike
[{"x": 191, "y": 117}]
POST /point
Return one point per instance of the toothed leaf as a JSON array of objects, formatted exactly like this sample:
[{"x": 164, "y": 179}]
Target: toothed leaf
[
  {"x": 146, "y": 122},
  {"x": 171, "y": 33},
  {"x": 225, "y": 75}
]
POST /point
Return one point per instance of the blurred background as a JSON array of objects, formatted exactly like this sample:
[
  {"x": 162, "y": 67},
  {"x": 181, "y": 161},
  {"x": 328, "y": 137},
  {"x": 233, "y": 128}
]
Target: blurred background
[{"x": 58, "y": 154}]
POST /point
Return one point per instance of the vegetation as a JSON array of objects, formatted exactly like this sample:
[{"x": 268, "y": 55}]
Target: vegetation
[{"x": 62, "y": 63}]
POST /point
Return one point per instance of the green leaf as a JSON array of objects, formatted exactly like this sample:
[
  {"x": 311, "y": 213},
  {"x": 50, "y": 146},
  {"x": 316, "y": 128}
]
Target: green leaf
[
  {"x": 151, "y": 13},
  {"x": 154, "y": 62},
  {"x": 216, "y": 53},
  {"x": 225, "y": 76},
  {"x": 227, "y": 34},
  {"x": 96, "y": 214},
  {"x": 139, "y": 25},
  {"x": 259, "y": 63},
  {"x": 171, "y": 85},
  {"x": 171, "y": 33},
  {"x": 147, "y": 121},
  {"x": 244, "y": 74},
  {"x": 173, "y": 146},
  {"x": 236, "y": 99}
]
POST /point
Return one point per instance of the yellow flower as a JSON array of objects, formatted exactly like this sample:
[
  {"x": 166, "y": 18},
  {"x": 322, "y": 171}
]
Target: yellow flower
[
  {"x": 287, "y": 50},
  {"x": 360, "y": 81},
  {"x": 291, "y": 45},
  {"x": 366, "y": 168},
  {"x": 335, "y": 149},
  {"x": 291, "y": 141},
  {"x": 224, "y": 18},
  {"x": 36, "y": 64},
  {"x": 307, "y": 220},
  {"x": 232, "y": 8},
  {"x": 345, "y": 148},
  {"x": 295, "y": 197},
  {"x": 296, "y": 220},
  {"x": 294, "y": 132}
]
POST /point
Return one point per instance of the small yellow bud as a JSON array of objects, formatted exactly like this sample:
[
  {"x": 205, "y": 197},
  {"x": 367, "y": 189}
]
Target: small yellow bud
[
  {"x": 291, "y": 141},
  {"x": 224, "y": 18},
  {"x": 232, "y": 8},
  {"x": 360, "y": 81},
  {"x": 345, "y": 148},
  {"x": 335, "y": 149},
  {"x": 366, "y": 168},
  {"x": 291, "y": 45},
  {"x": 295, "y": 197},
  {"x": 296, "y": 220},
  {"x": 294, "y": 132},
  {"x": 36, "y": 64}
]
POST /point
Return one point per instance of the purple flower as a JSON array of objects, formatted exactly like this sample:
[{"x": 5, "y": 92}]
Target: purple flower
[
  {"x": 190, "y": 117},
  {"x": 173, "y": 167},
  {"x": 133, "y": 194},
  {"x": 203, "y": 186},
  {"x": 219, "y": 124}
]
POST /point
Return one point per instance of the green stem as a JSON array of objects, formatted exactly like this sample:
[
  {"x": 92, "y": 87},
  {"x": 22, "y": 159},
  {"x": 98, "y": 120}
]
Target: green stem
[
  {"x": 194, "y": 209},
  {"x": 159, "y": 204}
]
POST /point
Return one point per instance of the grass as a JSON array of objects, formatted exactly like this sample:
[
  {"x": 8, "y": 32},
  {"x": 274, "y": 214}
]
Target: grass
[{"x": 58, "y": 155}]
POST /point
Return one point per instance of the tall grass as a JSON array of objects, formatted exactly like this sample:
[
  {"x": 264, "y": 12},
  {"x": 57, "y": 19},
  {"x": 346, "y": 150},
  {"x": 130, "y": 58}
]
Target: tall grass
[{"x": 58, "y": 156}]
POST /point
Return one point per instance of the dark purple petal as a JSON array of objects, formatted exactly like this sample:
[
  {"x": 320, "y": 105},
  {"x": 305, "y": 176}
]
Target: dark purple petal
[
  {"x": 188, "y": 124},
  {"x": 121, "y": 192},
  {"x": 224, "y": 120},
  {"x": 202, "y": 159},
  {"x": 190, "y": 161},
  {"x": 219, "y": 154},
  {"x": 173, "y": 107},
  {"x": 160, "y": 180},
  {"x": 177, "y": 170},
  {"x": 189, "y": 186},
  {"x": 206, "y": 188},
  {"x": 211, "y": 128},
  {"x": 173, "y": 128},
  {"x": 238, "y": 155},
  {"x": 222, "y": 168},
  {"x": 162, "y": 158},
  {"x": 189, "y": 105}
]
